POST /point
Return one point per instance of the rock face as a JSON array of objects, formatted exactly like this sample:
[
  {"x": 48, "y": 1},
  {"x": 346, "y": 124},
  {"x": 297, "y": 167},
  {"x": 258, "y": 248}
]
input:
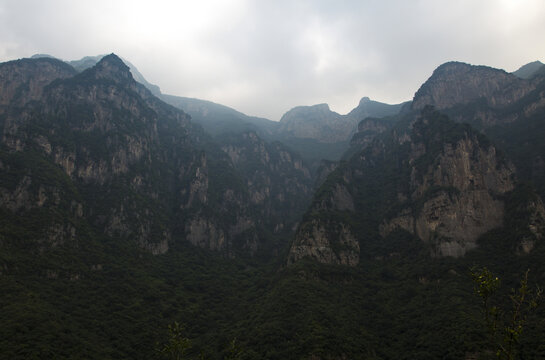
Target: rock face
[
  {"x": 218, "y": 120},
  {"x": 314, "y": 122},
  {"x": 325, "y": 243},
  {"x": 440, "y": 181},
  {"x": 278, "y": 181},
  {"x": 22, "y": 81},
  {"x": 319, "y": 123},
  {"x": 99, "y": 148},
  {"x": 508, "y": 108},
  {"x": 457, "y": 194},
  {"x": 368, "y": 129},
  {"x": 456, "y": 83},
  {"x": 529, "y": 70}
]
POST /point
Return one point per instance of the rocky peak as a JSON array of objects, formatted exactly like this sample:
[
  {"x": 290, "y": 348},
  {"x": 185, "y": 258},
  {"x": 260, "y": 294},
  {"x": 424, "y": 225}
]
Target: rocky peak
[
  {"x": 529, "y": 70},
  {"x": 456, "y": 182},
  {"x": 455, "y": 83},
  {"x": 314, "y": 122},
  {"x": 439, "y": 180},
  {"x": 111, "y": 67},
  {"x": 364, "y": 100},
  {"x": 320, "y": 110},
  {"x": 23, "y": 80}
]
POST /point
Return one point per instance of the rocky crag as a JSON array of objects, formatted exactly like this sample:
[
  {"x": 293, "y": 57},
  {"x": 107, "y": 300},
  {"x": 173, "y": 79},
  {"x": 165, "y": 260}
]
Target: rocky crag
[
  {"x": 99, "y": 151},
  {"x": 439, "y": 181}
]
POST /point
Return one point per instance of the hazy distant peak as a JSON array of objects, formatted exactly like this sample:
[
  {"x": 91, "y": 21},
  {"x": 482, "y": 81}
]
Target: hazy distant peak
[
  {"x": 307, "y": 111},
  {"x": 39, "y": 56},
  {"x": 156, "y": 90},
  {"x": 317, "y": 107},
  {"x": 114, "y": 60},
  {"x": 364, "y": 100},
  {"x": 458, "y": 67},
  {"x": 529, "y": 70},
  {"x": 90, "y": 61},
  {"x": 320, "y": 107},
  {"x": 111, "y": 67}
]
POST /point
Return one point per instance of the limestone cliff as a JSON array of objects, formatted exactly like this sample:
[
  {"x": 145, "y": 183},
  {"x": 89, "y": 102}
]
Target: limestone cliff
[
  {"x": 508, "y": 108},
  {"x": 481, "y": 96},
  {"x": 456, "y": 83},
  {"x": 318, "y": 122},
  {"x": 22, "y": 81},
  {"x": 442, "y": 182},
  {"x": 278, "y": 181},
  {"x": 368, "y": 129},
  {"x": 138, "y": 169},
  {"x": 326, "y": 243}
]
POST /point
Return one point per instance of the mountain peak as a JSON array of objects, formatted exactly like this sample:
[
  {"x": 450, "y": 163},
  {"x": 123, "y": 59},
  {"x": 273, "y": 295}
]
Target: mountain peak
[
  {"x": 113, "y": 68},
  {"x": 529, "y": 70},
  {"x": 321, "y": 107},
  {"x": 461, "y": 83},
  {"x": 39, "y": 56},
  {"x": 364, "y": 100}
]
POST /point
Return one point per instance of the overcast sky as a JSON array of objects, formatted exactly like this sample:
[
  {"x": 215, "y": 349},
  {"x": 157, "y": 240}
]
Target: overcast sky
[{"x": 264, "y": 57}]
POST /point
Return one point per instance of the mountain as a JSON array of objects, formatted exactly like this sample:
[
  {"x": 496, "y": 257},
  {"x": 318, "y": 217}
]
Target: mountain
[
  {"x": 148, "y": 174},
  {"x": 318, "y": 122},
  {"x": 318, "y": 133},
  {"x": 280, "y": 184},
  {"x": 218, "y": 119},
  {"x": 22, "y": 81},
  {"x": 313, "y": 131},
  {"x": 506, "y": 108},
  {"x": 529, "y": 70},
  {"x": 90, "y": 61},
  {"x": 120, "y": 215},
  {"x": 214, "y": 118},
  {"x": 105, "y": 189},
  {"x": 439, "y": 181},
  {"x": 455, "y": 83},
  {"x": 424, "y": 195}
]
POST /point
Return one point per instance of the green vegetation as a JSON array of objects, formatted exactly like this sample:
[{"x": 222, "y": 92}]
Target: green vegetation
[{"x": 505, "y": 328}]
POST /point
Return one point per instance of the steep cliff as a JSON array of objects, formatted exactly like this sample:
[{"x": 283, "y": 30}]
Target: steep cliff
[
  {"x": 456, "y": 83},
  {"x": 529, "y": 70},
  {"x": 139, "y": 169},
  {"x": 440, "y": 181},
  {"x": 314, "y": 122},
  {"x": 217, "y": 119},
  {"x": 278, "y": 181},
  {"x": 507, "y": 108},
  {"x": 22, "y": 81},
  {"x": 318, "y": 122},
  {"x": 456, "y": 182}
]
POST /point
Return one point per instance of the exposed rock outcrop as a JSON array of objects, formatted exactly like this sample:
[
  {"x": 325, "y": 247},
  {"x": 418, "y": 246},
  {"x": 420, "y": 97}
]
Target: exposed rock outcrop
[
  {"x": 456, "y": 83},
  {"x": 22, "y": 81},
  {"x": 326, "y": 243},
  {"x": 278, "y": 182},
  {"x": 137, "y": 167},
  {"x": 440, "y": 181}
]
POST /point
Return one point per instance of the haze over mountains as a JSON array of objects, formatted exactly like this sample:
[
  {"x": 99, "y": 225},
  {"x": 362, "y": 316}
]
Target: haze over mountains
[
  {"x": 325, "y": 132},
  {"x": 322, "y": 236}
]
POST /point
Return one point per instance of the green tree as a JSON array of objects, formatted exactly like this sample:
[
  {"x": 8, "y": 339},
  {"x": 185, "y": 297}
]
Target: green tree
[
  {"x": 233, "y": 351},
  {"x": 505, "y": 327},
  {"x": 177, "y": 344}
]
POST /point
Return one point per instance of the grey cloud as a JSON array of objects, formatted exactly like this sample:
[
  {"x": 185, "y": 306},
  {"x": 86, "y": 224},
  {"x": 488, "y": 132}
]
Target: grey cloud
[{"x": 264, "y": 57}]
